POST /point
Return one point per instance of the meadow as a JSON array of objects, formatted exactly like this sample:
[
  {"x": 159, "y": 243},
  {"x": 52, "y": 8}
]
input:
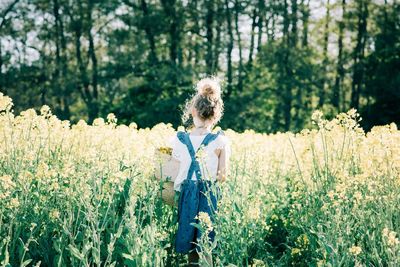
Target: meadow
[{"x": 85, "y": 195}]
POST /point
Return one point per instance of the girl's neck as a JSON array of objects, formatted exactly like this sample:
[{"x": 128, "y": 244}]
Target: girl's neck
[{"x": 201, "y": 130}]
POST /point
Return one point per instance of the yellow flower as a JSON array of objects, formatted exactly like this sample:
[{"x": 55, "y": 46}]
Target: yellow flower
[
  {"x": 5, "y": 103},
  {"x": 253, "y": 213},
  {"x": 201, "y": 154},
  {"x": 133, "y": 125},
  {"x": 54, "y": 214},
  {"x": 331, "y": 194},
  {"x": 303, "y": 241},
  {"x": 6, "y": 182},
  {"x": 165, "y": 150},
  {"x": 111, "y": 118},
  {"x": 316, "y": 116},
  {"x": 390, "y": 237},
  {"x": 45, "y": 110},
  {"x": 205, "y": 220},
  {"x": 358, "y": 196},
  {"x": 14, "y": 203},
  {"x": 98, "y": 122},
  {"x": 355, "y": 250},
  {"x": 295, "y": 251}
]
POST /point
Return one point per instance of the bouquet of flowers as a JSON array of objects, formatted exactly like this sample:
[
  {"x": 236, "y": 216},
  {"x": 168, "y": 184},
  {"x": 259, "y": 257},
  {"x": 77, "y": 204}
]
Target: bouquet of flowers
[{"x": 166, "y": 170}]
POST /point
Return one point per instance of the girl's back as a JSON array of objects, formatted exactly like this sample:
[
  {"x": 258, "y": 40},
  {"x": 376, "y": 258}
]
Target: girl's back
[{"x": 208, "y": 157}]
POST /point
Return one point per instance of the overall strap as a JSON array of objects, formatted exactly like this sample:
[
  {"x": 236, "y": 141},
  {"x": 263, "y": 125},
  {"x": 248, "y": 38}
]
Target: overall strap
[{"x": 195, "y": 166}]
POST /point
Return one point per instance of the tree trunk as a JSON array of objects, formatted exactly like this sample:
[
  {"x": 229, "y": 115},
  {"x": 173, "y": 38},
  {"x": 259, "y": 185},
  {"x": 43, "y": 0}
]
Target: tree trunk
[
  {"x": 358, "y": 54},
  {"x": 294, "y": 23},
  {"x": 240, "y": 75},
  {"x": 61, "y": 79},
  {"x": 336, "y": 98},
  {"x": 210, "y": 35},
  {"x": 229, "y": 48},
  {"x": 287, "y": 89},
  {"x": 84, "y": 81},
  {"x": 298, "y": 106},
  {"x": 149, "y": 33},
  {"x": 3, "y": 22},
  {"x": 57, "y": 80},
  {"x": 89, "y": 98},
  {"x": 260, "y": 22},
  {"x": 64, "y": 71},
  {"x": 92, "y": 54},
  {"x": 322, "y": 87},
  {"x": 253, "y": 27},
  {"x": 169, "y": 7},
  {"x": 305, "y": 10},
  {"x": 217, "y": 49},
  {"x": 194, "y": 53}
]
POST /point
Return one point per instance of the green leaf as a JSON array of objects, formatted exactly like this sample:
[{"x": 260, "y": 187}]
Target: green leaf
[
  {"x": 128, "y": 256},
  {"x": 75, "y": 252},
  {"x": 25, "y": 263}
]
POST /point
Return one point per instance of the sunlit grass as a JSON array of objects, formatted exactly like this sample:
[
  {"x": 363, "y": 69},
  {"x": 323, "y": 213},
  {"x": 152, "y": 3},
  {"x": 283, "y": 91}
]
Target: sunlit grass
[{"x": 85, "y": 195}]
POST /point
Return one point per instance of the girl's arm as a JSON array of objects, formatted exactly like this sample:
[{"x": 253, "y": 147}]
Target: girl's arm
[{"x": 223, "y": 165}]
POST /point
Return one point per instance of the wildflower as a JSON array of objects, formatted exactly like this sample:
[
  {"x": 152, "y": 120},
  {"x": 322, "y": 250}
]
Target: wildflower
[
  {"x": 355, "y": 250},
  {"x": 54, "y": 214},
  {"x": 133, "y": 125},
  {"x": 201, "y": 154},
  {"x": 274, "y": 217},
  {"x": 352, "y": 113},
  {"x": 254, "y": 212},
  {"x": 5, "y": 103},
  {"x": 205, "y": 220},
  {"x": 257, "y": 263},
  {"x": 316, "y": 117},
  {"x": 357, "y": 196},
  {"x": 42, "y": 170},
  {"x": 33, "y": 225},
  {"x": 303, "y": 241},
  {"x": 45, "y": 110},
  {"x": 165, "y": 150},
  {"x": 393, "y": 127},
  {"x": 163, "y": 235},
  {"x": 390, "y": 237},
  {"x": 295, "y": 251},
  {"x": 98, "y": 122},
  {"x": 6, "y": 182},
  {"x": 385, "y": 232},
  {"x": 331, "y": 194},
  {"x": 14, "y": 203},
  {"x": 81, "y": 125},
  {"x": 111, "y": 118}
]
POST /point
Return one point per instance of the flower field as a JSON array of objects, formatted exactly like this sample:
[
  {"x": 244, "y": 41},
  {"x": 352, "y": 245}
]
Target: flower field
[{"x": 85, "y": 195}]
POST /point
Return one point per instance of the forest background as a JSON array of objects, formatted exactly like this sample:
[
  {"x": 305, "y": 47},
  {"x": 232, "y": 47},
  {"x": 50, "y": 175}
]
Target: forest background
[{"x": 139, "y": 59}]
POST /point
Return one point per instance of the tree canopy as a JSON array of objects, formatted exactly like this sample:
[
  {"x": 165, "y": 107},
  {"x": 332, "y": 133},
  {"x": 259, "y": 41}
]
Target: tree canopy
[{"x": 139, "y": 59}]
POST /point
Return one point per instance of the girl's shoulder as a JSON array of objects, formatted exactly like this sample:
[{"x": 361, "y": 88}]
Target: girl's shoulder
[{"x": 222, "y": 140}]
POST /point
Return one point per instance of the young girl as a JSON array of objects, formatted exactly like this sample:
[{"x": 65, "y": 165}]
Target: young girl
[{"x": 196, "y": 175}]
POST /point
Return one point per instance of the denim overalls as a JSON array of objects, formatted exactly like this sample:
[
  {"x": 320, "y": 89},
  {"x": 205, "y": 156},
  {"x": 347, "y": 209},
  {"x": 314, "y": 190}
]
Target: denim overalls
[{"x": 193, "y": 199}]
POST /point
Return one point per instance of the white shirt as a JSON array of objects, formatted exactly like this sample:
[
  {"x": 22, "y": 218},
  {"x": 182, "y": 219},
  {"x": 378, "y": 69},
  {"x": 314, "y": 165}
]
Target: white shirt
[{"x": 208, "y": 165}]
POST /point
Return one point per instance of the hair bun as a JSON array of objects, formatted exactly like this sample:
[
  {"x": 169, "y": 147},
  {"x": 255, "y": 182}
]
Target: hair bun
[{"x": 209, "y": 87}]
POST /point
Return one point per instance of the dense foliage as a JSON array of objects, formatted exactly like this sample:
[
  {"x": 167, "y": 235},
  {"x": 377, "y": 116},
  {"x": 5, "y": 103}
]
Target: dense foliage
[{"x": 280, "y": 59}]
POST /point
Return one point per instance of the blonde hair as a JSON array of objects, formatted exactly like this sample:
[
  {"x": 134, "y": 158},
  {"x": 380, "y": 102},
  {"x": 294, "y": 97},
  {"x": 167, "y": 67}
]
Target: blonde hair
[{"x": 207, "y": 101}]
